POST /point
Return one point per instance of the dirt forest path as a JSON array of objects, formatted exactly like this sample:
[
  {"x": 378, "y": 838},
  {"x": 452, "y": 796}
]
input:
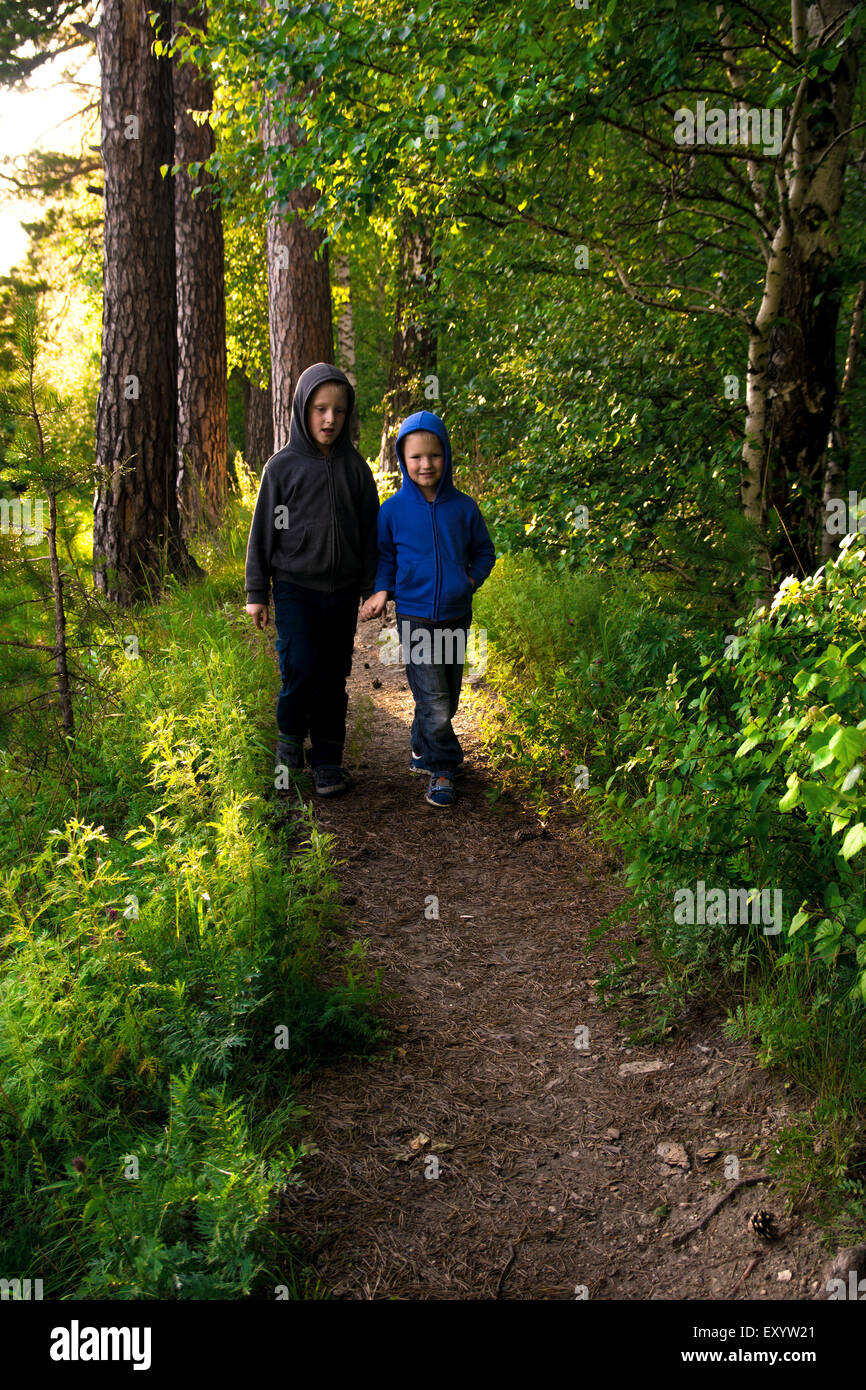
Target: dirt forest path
[{"x": 549, "y": 1176}]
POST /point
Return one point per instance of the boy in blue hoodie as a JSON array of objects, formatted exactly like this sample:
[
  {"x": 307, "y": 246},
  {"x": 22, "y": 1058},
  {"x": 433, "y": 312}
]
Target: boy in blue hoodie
[{"x": 434, "y": 553}]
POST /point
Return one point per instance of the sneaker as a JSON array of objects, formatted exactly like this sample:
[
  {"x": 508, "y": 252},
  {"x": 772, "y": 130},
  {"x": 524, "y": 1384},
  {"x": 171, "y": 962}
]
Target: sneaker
[
  {"x": 441, "y": 790},
  {"x": 330, "y": 780}
]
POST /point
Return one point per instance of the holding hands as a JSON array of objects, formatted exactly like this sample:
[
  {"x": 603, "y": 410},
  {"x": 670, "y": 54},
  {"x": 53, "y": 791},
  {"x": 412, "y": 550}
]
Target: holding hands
[{"x": 375, "y": 606}]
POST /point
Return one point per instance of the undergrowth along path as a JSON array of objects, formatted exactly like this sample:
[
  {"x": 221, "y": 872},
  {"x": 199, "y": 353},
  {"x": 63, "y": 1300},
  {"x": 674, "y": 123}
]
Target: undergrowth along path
[{"x": 546, "y": 1139}]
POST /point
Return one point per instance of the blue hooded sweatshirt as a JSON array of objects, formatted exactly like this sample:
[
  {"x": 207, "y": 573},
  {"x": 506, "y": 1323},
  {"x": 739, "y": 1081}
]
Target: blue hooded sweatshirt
[{"x": 429, "y": 552}]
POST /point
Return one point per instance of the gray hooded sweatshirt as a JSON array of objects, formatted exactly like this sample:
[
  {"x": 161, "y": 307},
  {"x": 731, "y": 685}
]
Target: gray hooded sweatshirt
[{"x": 314, "y": 522}]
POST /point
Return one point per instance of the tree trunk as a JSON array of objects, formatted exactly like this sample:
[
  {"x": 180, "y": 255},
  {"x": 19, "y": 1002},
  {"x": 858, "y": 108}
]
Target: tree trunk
[
  {"x": 258, "y": 424},
  {"x": 837, "y": 457},
  {"x": 136, "y": 528},
  {"x": 412, "y": 381},
  {"x": 791, "y": 384},
  {"x": 756, "y": 445},
  {"x": 346, "y": 335},
  {"x": 299, "y": 286},
  {"x": 202, "y": 382}
]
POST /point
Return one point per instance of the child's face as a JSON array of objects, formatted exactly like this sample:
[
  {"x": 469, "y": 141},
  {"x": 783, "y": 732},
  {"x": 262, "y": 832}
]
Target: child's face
[
  {"x": 424, "y": 457},
  {"x": 326, "y": 412}
]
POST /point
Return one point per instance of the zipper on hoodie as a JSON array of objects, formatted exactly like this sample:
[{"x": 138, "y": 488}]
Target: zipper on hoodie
[
  {"x": 328, "y": 459},
  {"x": 438, "y": 580}
]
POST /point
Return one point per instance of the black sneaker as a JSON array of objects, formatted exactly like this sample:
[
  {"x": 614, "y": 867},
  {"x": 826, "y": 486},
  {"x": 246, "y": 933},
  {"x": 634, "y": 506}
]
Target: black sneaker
[{"x": 330, "y": 780}]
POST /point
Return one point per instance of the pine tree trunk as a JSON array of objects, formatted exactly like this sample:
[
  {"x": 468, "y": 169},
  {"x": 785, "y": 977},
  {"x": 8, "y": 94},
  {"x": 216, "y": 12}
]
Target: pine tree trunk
[
  {"x": 346, "y": 334},
  {"x": 258, "y": 424},
  {"x": 412, "y": 382},
  {"x": 345, "y": 319},
  {"x": 136, "y": 528},
  {"x": 299, "y": 287},
  {"x": 202, "y": 386}
]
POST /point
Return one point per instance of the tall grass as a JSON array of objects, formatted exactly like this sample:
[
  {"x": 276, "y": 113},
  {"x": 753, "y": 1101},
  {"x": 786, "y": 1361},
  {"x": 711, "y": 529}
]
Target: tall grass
[
  {"x": 565, "y": 652},
  {"x": 172, "y": 953}
]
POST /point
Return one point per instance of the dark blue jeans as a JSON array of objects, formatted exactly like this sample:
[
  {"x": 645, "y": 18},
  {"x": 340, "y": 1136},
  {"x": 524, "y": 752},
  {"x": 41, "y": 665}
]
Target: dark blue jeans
[
  {"x": 434, "y": 670},
  {"x": 315, "y": 637}
]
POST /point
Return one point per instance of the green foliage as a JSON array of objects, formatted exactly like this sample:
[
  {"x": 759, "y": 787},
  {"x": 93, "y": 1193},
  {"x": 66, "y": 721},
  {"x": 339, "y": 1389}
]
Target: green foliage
[
  {"x": 34, "y": 32},
  {"x": 587, "y": 408},
  {"x": 569, "y": 648},
  {"x": 171, "y": 956},
  {"x": 515, "y": 129},
  {"x": 752, "y": 777}
]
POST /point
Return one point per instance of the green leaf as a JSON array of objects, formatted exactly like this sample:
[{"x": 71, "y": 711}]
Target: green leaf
[
  {"x": 815, "y": 797},
  {"x": 846, "y": 745},
  {"x": 822, "y": 758},
  {"x": 832, "y": 896},
  {"x": 806, "y": 681},
  {"x": 748, "y": 744},
  {"x": 94, "y": 1206},
  {"x": 759, "y": 790},
  {"x": 854, "y": 841}
]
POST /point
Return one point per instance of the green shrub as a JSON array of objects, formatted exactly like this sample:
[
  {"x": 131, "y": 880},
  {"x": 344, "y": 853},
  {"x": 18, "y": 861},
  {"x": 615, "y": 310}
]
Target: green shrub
[
  {"x": 170, "y": 956},
  {"x": 567, "y": 650},
  {"x": 753, "y": 776}
]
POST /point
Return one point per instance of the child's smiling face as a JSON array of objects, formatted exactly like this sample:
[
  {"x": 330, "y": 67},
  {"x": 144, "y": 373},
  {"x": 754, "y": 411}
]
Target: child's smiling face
[
  {"x": 424, "y": 457},
  {"x": 326, "y": 413}
]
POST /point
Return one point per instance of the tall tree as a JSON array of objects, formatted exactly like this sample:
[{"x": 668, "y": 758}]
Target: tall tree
[
  {"x": 136, "y": 524},
  {"x": 412, "y": 377},
  {"x": 202, "y": 386},
  {"x": 345, "y": 318},
  {"x": 299, "y": 286},
  {"x": 791, "y": 391},
  {"x": 247, "y": 332},
  {"x": 346, "y": 333},
  {"x": 532, "y": 131},
  {"x": 258, "y": 424}
]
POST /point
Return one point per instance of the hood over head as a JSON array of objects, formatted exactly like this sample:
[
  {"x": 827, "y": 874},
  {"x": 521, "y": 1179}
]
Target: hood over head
[
  {"x": 308, "y": 381},
  {"x": 427, "y": 421}
]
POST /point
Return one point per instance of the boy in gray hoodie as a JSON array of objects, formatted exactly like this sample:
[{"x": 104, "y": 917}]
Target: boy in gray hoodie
[{"x": 313, "y": 538}]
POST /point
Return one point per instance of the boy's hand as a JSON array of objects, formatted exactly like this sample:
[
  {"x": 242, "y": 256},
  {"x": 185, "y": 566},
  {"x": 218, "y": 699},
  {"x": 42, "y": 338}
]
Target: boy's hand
[
  {"x": 259, "y": 614},
  {"x": 375, "y": 606}
]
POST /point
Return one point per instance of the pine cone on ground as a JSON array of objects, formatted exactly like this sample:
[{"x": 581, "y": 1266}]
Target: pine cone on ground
[{"x": 763, "y": 1225}]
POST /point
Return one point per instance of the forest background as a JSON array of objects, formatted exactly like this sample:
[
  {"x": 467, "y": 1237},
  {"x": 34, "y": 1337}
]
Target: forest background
[{"x": 644, "y": 336}]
